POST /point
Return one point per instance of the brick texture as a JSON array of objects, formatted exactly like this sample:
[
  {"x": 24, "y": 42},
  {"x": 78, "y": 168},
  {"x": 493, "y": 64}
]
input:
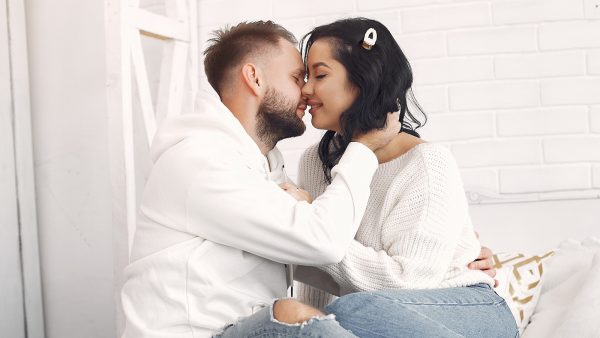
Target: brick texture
[
  {"x": 538, "y": 65},
  {"x": 544, "y": 179},
  {"x": 512, "y": 87},
  {"x": 572, "y": 149},
  {"x": 494, "y": 95},
  {"x": 545, "y": 121}
]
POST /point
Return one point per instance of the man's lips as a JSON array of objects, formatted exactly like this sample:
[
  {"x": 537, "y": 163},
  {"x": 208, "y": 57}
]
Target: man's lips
[{"x": 300, "y": 110}]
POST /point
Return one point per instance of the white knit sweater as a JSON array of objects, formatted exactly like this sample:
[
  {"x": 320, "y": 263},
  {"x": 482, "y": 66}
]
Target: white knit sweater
[{"x": 416, "y": 232}]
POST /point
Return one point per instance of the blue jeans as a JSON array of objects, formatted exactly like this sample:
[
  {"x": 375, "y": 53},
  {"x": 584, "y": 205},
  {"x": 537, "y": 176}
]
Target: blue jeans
[
  {"x": 474, "y": 311},
  {"x": 262, "y": 324}
]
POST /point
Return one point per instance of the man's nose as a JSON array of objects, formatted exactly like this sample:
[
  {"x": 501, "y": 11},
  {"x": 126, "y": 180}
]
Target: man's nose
[{"x": 306, "y": 89}]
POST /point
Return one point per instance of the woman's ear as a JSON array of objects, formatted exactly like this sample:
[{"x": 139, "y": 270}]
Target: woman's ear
[{"x": 253, "y": 78}]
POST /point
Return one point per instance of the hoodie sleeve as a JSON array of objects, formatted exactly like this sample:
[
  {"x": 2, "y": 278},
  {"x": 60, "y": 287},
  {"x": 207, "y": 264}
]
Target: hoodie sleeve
[{"x": 231, "y": 204}]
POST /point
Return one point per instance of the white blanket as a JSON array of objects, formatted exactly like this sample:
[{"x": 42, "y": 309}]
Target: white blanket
[{"x": 569, "y": 304}]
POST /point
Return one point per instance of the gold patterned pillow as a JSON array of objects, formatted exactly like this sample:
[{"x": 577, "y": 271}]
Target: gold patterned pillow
[{"x": 519, "y": 278}]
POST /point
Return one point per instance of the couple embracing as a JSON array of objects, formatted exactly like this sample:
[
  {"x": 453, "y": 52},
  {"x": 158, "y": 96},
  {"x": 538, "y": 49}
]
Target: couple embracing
[{"x": 378, "y": 226}]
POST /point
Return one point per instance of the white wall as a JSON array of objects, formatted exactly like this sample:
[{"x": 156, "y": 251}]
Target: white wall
[
  {"x": 68, "y": 102},
  {"x": 511, "y": 87}
]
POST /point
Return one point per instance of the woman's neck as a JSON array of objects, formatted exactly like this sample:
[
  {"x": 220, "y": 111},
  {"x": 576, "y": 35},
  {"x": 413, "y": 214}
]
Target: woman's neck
[{"x": 399, "y": 145}]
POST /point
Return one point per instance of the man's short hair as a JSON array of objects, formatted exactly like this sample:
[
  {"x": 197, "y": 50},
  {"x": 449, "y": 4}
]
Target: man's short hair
[{"x": 230, "y": 46}]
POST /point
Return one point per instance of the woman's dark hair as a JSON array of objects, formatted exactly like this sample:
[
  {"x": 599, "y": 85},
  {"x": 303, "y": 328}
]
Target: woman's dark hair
[{"x": 382, "y": 76}]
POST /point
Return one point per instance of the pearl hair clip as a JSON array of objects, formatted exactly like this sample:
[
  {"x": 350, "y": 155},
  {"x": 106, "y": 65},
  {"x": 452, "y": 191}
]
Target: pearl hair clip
[{"x": 370, "y": 39}]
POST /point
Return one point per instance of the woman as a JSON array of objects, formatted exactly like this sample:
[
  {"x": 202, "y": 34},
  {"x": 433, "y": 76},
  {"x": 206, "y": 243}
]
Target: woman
[{"x": 406, "y": 272}]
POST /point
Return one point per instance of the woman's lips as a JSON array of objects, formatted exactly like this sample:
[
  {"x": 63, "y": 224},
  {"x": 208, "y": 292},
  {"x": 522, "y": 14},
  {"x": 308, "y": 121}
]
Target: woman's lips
[{"x": 314, "y": 107}]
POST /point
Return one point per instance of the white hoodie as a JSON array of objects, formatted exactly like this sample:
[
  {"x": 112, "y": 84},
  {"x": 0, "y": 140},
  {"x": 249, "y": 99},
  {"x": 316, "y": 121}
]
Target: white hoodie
[{"x": 214, "y": 230}]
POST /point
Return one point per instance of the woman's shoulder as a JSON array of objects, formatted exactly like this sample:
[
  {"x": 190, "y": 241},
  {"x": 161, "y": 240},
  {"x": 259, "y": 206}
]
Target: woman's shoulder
[
  {"x": 431, "y": 159},
  {"x": 434, "y": 154}
]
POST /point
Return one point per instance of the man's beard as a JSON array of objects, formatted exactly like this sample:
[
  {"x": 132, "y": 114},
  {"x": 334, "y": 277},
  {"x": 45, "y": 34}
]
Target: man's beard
[{"x": 277, "y": 119}]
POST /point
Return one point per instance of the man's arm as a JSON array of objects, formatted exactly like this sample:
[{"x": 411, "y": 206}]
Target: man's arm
[{"x": 233, "y": 205}]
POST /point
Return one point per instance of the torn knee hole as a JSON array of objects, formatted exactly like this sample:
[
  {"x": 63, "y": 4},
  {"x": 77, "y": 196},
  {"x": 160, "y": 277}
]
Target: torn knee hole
[{"x": 289, "y": 311}]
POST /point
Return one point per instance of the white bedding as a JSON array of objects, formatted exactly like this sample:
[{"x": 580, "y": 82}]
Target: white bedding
[{"x": 569, "y": 303}]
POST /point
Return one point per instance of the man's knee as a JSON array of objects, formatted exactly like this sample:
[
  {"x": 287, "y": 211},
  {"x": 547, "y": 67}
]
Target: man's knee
[{"x": 291, "y": 311}]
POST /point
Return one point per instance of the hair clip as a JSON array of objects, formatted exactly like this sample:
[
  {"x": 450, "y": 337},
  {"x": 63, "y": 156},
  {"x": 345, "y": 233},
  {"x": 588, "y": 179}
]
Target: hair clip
[{"x": 370, "y": 39}]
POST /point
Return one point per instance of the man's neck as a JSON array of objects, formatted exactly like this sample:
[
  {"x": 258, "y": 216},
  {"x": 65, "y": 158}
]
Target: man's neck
[{"x": 248, "y": 122}]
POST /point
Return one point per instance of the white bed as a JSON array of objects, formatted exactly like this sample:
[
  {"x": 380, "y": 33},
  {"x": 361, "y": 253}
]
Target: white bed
[{"x": 568, "y": 303}]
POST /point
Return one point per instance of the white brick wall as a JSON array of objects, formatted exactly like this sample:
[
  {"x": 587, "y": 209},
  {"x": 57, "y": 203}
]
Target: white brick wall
[
  {"x": 451, "y": 70},
  {"x": 220, "y": 12},
  {"x": 543, "y": 121},
  {"x": 494, "y": 95},
  {"x": 481, "y": 178},
  {"x": 445, "y": 17},
  {"x": 418, "y": 46},
  {"x": 572, "y": 149},
  {"x": 442, "y": 127},
  {"x": 595, "y": 119},
  {"x": 537, "y": 65},
  {"x": 544, "y": 179},
  {"x": 570, "y": 34},
  {"x": 592, "y": 9},
  {"x": 498, "y": 152},
  {"x": 512, "y": 87},
  {"x": 311, "y": 8},
  {"x": 593, "y": 62},
  {"x": 528, "y": 11},
  {"x": 493, "y": 40},
  {"x": 571, "y": 91},
  {"x": 433, "y": 99}
]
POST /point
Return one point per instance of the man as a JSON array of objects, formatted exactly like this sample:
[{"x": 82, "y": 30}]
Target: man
[{"x": 214, "y": 230}]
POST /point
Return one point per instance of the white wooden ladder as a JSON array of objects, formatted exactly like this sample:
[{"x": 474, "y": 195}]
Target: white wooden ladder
[{"x": 132, "y": 114}]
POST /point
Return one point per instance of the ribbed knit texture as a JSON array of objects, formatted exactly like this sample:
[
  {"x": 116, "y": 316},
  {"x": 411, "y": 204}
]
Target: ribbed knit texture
[{"x": 416, "y": 232}]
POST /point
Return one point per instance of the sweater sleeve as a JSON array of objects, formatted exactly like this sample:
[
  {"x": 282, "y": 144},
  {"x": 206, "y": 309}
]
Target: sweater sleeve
[
  {"x": 419, "y": 232},
  {"x": 230, "y": 204}
]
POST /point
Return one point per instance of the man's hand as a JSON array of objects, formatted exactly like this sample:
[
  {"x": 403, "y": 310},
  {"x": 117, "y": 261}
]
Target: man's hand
[
  {"x": 378, "y": 138},
  {"x": 297, "y": 193}
]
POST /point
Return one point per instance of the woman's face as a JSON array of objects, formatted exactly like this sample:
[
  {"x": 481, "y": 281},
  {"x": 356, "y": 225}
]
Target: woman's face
[{"x": 327, "y": 90}]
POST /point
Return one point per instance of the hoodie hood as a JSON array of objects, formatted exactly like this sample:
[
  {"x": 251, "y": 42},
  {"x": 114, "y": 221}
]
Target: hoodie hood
[{"x": 210, "y": 119}]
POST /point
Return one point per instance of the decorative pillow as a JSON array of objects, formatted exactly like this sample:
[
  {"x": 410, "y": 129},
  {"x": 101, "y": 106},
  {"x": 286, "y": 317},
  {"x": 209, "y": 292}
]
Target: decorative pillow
[{"x": 519, "y": 278}]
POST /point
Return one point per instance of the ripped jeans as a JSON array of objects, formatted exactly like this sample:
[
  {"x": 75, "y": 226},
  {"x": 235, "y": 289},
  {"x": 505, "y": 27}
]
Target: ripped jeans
[
  {"x": 262, "y": 324},
  {"x": 473, "y": 311}
]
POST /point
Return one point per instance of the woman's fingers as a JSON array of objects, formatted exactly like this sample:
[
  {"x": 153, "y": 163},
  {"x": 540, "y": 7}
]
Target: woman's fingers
[
  {"x": 484, "y": 262},
  {"x": 485, "y": 253}
]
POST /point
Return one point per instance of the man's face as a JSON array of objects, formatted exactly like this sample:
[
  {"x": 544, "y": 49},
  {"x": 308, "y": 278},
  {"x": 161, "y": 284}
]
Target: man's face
[{"x": 281, "y": 110}]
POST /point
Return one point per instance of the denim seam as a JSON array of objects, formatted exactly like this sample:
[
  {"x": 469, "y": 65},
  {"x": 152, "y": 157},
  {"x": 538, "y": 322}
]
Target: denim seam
[
  {"x": 356, "y": 328},
  {"x": 500, "y": 302}
]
